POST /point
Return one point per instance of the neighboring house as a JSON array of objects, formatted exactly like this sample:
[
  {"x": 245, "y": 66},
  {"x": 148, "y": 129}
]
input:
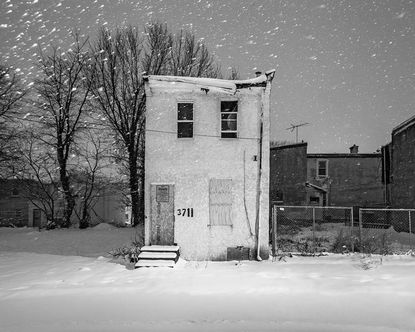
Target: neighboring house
[
  {"x": 16, "y": 208},
  {"x": 111, "y": 206},
  {"x": 288, "y": 174},
  {"x": 399, "y": 166},
  {"x": 207, "y": 164},
  {"x": 345, "y": 179},
  {"x": 332, "y": 179},
  {"x": 21, "y": 205}
]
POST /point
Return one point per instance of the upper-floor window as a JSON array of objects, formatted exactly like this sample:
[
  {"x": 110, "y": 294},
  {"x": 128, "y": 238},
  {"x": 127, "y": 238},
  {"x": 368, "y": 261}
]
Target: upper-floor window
[
  {"x": 322, "y": 168},
  {"x": 184, "y": 120},
  {"x": 229, "y": 119}
]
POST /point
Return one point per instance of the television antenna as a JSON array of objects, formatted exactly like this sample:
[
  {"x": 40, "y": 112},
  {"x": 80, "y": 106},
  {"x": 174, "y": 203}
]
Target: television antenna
[{"x": 295, "y": 127}]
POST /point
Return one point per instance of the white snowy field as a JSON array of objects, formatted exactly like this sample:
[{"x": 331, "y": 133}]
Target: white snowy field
[{"x": 63, "y": 292}]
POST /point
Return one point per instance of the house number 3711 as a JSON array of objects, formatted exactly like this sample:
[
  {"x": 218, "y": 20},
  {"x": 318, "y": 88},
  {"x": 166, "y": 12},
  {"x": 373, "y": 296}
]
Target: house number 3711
[{"x": 187, "y": 212}]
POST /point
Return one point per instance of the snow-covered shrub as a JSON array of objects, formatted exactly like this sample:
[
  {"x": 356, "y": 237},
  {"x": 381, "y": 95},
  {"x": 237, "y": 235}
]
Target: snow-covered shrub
[
  {"x": 129, "y": 253},
  {"x": 376, "y": 242},
  {"x": 342, "y": 243}
]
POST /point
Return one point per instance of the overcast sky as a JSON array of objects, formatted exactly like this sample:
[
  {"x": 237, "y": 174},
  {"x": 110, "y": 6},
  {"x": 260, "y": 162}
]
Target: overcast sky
[{"x": 345, "y": 67}]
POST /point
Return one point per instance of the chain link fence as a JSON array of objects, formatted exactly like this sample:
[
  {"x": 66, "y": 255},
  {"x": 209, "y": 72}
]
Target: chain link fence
[
  {"x": 312, "y": 229},
  {"x": 315, "y": 229},
  {"x": 387, "y": 231}
]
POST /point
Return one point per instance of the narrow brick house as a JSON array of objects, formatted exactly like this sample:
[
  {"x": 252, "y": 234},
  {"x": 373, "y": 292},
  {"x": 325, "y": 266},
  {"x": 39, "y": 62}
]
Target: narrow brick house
[
  {"x": 399, "y": 166},
  {"x": 288, "y": 174},
  {"x": 207, "y": 164}
]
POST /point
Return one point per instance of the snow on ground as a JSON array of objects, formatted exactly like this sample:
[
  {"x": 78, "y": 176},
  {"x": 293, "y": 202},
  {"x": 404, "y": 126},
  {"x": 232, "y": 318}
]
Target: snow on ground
[
  {"x": 91, "y": 242},
  {"x": 44, "y": 292}
]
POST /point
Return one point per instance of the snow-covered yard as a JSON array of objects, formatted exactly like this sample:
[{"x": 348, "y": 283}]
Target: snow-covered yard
[{"x": 47, "y": 291}]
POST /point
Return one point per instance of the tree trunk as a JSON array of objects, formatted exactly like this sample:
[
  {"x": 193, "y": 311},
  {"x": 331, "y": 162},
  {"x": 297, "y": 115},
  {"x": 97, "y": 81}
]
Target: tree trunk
[
  {"x": 134, "y": 189},
  {"x": 84, "y": 222},
  {"x": 69, "y": 199}
]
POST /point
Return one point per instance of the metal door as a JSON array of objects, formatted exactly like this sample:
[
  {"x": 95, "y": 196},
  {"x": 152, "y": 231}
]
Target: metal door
[{"x": 162, "y": 214}]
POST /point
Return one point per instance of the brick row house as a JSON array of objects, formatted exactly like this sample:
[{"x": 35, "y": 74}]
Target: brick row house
[
  {"x": 325, "y": 179},
  {"x": 398, "y": 174}
]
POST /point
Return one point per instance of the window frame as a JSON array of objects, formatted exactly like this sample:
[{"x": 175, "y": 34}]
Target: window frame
[
  {"x": 185, "y": 121},
  {"x": 225, "y": 207},
  {"x": 322, "y": 176},
  {"x": 221, "y": 120}
]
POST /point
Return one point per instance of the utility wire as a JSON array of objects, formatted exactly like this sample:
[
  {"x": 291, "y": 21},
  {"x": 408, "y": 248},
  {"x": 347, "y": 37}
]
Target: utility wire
[{"x": 201, "y": 135}]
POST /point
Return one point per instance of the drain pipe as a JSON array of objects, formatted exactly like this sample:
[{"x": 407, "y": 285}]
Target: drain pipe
[
  {"x": 265, "y": 104},
  {"x": 258, "y": 186}
]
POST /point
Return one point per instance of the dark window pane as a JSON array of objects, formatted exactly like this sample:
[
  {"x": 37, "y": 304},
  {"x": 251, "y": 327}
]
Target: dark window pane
[
  {"x": 229, "y": 135},
  {"x": 229, "y": 116},
  {"x": 185, "y": 111},
  {"x": 229, "y": 106},
  {"x": 184, "y": 129},
  {"x": 229, "y": 125},
  {"x": 322, "y": 168}
]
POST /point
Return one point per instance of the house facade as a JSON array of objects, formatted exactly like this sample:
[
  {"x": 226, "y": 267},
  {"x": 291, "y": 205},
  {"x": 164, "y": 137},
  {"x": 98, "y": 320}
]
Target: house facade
[
  {"x": 207, "y": 165},
  {"x": 330, "y": 179},
  {"x": 16, "y": 208},
  {"x": 27, "y": 203},
  {"x": 399, "y": 166},
  {"x": 288, "y": 174},
  {"x": 345, "y": 179}
]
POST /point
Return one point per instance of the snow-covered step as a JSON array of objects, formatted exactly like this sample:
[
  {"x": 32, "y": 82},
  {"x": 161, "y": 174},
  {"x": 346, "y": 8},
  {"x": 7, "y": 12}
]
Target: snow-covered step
[
  {"x": 160, "y": 248},
  {"x": 157, "y": 255},
  {"x": 155, "y": 263}
]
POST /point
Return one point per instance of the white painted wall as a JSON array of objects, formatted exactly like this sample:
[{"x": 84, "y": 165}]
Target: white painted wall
[{"x": 189, "y": 163}]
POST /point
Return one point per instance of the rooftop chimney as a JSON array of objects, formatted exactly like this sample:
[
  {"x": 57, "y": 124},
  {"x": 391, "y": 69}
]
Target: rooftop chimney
[
  {"x": 258, "y": 73},
  {"x": 354, "y": 149}
]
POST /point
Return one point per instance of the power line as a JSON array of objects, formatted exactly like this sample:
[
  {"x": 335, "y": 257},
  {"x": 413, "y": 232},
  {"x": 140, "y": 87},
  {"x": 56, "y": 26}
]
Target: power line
[{"x": 200, "y": 135}]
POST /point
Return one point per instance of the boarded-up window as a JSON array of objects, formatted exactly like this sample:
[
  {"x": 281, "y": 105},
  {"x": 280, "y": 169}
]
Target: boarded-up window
[{"x": 220, "y": 199}]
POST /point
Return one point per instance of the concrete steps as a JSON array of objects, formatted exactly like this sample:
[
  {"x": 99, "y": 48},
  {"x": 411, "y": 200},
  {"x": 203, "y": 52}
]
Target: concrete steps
[{"x": 158, "y": 256}]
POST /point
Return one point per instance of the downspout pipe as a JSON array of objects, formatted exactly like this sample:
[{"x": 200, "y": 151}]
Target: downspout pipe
[{"x": 265, "y": 105}]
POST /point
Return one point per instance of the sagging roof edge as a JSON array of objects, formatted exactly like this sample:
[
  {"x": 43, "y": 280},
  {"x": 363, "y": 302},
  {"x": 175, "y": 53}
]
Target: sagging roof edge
[
  {"x": 294, "y": 145},
  {"x": 344, "y": 155},
  {"x": 232, "y": 85},
  {"x": 403, "y": 125}
]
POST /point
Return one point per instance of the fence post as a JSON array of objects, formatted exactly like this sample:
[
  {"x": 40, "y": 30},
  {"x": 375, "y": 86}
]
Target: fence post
[
  {"x": 274, "y": 220},
  {"x": 351, "y": 230},
  {"x": 360, "y": 230},
  {"x": 314, "y": 229},
  {"x": 410, "y": 230}
]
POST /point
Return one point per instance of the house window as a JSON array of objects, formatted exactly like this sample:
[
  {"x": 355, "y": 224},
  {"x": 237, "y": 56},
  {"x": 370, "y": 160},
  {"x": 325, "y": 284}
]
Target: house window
[
  {"x": 322, "y": 168},
  {"x": 220, "y": 202},
  {"x": 315, "y": 200},
  {"x": 184, "y": 120},
  {"x": 229, "y": 119}
]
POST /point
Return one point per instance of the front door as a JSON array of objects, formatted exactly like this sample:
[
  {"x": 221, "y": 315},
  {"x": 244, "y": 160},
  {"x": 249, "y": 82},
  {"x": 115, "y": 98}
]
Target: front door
[
  {"x": 162, "y": 214},
  {"x": 37, "y": 218}
]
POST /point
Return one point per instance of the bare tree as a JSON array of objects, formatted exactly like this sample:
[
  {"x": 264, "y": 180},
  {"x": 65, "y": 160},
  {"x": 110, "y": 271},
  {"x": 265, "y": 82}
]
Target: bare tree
[
  {"x": 37, "y": 171},
  {"x": 11, "y": 95},
  {"x": 119, "y": 92},
  {"x": 89, "y": 177},
  {"x": 190, "y": 57},
  {"x": 62, "y": 101},
  {"x": 121, "y": 58},
  {"x": 234, "y": 74}
]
